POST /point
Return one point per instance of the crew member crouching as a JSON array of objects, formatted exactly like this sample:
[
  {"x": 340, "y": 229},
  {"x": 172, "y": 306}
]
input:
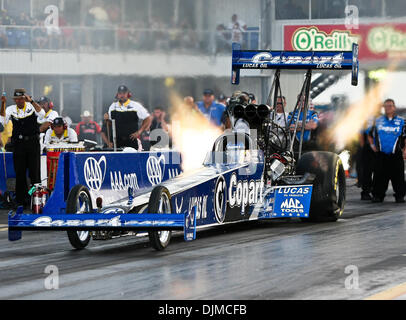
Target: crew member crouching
[{"x": 59, "y": 132}]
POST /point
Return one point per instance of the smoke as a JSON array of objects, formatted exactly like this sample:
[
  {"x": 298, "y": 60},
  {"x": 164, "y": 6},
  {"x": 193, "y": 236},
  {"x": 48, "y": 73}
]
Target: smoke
[
  {"x": 193, "y": 135},
  {"x": 348, "y": 124}
]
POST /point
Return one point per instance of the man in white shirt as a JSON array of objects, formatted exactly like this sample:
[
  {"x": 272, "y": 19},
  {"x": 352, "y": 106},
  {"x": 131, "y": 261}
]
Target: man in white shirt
[
  {"x": 127, "y": 114},
  {"x": 24, "y": 115},
  {"x": 59, "y": 132}
]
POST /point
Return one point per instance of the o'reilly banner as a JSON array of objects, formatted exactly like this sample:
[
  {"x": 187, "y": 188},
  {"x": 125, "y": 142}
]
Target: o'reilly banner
[{"x": 376, "y": 41}]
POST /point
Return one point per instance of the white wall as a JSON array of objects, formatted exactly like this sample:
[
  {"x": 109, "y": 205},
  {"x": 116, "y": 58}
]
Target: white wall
[{"x": 145, "y": 64}]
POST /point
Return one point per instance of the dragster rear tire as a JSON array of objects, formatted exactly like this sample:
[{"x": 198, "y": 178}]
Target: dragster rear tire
[
  {"x": 77, "y": 195},
  {"x": 160, "y": 202},
  {"x": 328, "y": 196}
]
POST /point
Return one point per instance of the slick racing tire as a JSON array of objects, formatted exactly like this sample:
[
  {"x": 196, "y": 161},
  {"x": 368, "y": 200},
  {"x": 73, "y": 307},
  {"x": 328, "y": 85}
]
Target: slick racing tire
[
  {"x": 79, "y": 201},
  {"x": 328, "y": 196},
  {"x": 160, "y": 202}
]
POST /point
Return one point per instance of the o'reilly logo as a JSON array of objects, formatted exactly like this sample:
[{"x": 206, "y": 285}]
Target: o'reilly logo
[
  {"x": 292, "y": 206},
  {"x": 383, "y": 39},
  {"x": 311, "y": 38}
]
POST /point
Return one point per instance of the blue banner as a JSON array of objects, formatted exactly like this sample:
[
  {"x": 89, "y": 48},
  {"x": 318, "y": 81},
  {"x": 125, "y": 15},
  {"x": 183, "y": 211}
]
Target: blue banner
[{"x": 110, "y": 174}]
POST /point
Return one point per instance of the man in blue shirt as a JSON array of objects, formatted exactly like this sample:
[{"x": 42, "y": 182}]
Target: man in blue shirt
[
  {"x": 210, "y": 109},
  {"x": 387, "y": 140},
  {"x": 311, "y": 124}
]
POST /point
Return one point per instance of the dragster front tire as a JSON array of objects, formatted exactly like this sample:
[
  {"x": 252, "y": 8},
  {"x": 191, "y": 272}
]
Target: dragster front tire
[
  {"x": 328, "y": 196},
  {"x": 79, "y": 201},
  {"x": 160, "y": 202}
]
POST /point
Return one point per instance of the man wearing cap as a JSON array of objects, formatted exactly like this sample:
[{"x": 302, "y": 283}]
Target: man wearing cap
[
  {"x": 59, "y": 132},
  {"x": 50, "y": 114},
  {"x": 311, "y": 123},
  {"x": 24, "y": 115},
  {"x": 127, "y": 114},
  {"x": 87, "y": 128},
  {"x": 213, "y": 111}
]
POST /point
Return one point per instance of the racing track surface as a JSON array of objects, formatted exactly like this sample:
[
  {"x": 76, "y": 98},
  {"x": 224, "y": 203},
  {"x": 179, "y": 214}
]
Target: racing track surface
[{"x": 258, "y": 260}]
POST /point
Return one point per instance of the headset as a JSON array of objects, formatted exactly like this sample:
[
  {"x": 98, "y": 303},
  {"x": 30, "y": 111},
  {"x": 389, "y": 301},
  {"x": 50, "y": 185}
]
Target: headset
[
  {"x": 65, "y": 125},
  {"x": 128, "y": 92}
]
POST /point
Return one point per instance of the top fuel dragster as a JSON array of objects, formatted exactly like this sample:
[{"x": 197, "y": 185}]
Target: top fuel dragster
[{"x": 248, "y": 175}]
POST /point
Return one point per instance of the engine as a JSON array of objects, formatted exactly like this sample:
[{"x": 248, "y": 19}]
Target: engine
[{"x": 271, "y": 138}]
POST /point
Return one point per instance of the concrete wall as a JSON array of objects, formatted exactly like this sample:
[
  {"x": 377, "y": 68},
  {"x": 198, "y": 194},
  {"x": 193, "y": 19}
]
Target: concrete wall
[{"x": 142, "y": 64}]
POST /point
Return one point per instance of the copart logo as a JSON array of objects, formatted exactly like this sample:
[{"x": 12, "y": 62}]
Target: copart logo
[
  {"x": 93, "y": 172},
  {"x": 260, "y": 60},
  {"x": 220, "y": 199},
  {"x": 155, "y": 169},
  {"x": 242, "y": 193}
]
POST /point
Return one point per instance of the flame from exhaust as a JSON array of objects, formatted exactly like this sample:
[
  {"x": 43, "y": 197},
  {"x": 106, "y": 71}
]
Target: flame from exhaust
[
  {"x": 193, "y": 135},
  {"x": 350, "y": 122}
]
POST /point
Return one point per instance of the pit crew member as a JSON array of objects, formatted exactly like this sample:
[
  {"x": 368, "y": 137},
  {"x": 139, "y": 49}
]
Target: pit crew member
[
  {"x": 50, "y": 114},
  {"x": 387, "y": 139},
  {"x": 60, "y": 132},
  {"x": 311, "y": 124},
  {"x": 24, "y": 115},
  {"x": 210, "y": 109},
  {"x": 87, "y": 128},
  {"x": 127, "y": 114}
]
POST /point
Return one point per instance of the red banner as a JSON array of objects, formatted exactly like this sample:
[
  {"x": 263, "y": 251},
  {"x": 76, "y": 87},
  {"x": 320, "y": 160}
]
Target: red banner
[{"x": 376, "y": 41}]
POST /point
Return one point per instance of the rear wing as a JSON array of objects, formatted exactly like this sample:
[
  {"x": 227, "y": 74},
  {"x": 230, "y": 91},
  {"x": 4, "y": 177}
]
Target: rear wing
[{"x": 321, "y": 60}]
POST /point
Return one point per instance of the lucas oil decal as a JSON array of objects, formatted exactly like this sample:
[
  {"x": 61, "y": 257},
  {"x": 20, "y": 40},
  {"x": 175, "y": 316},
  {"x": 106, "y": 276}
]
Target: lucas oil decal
[{"x": 292, "y": 201}]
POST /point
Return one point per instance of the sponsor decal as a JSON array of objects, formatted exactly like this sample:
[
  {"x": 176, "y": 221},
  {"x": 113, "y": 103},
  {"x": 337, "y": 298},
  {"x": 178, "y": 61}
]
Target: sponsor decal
[
  {"x": 313, "y": 39},
  {"x": 388, "y": 129},
  {"x": 190, "y": 226},
  {"x": 93, "y": 172},
  {"x": 178, "y": 208},
  {"x": 321, "y": 61},
  {"x": 386, "y": 38},
  {"x": 292, "y": 201},
  {"x": 155, "y": 169},
  {"x": 220, "y": 201},
  {"x": 119, "y": 182},
  {"x": 294, "y": 190},
  {"x": 377, "y": 41},
  {"x": 46, "y": 221},
  {"x": 292, "y": 206},
  {"x": 243, "y": 193},
  {"x": 201, "y": 206},
  {"x": 113, "y": 210}
]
